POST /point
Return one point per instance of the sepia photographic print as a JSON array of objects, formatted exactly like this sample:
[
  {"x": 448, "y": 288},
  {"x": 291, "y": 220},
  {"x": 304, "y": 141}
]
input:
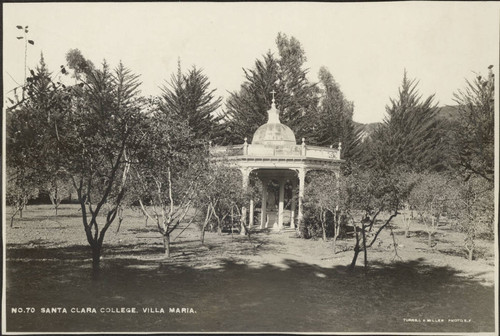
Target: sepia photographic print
[{"x": 246, "y": 167}]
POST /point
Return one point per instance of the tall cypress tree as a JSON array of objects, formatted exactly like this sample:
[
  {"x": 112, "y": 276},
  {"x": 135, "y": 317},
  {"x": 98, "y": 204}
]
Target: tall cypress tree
[
  {"x": 296, "y": 98},
  {"x": 411, "y": 134},
  {"x": 333, "y": 122},
  {"x": 473, "y": 135},
  {"x": 189, "y": 98},
  {"x": 247, "y": 109}
]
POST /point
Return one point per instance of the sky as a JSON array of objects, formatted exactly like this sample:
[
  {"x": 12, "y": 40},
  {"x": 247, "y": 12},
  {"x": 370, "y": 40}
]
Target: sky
[{"x": 366, "y": 46}]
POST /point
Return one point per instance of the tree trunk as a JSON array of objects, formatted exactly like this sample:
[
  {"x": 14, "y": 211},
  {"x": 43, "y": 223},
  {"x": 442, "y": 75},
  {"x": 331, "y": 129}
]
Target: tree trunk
[
  {"x": 336, "y": 230},
  {"x": 96, "y": 261},
  {"x": 324, "y": 231},
  {"x": 407, "y": 226},
  {"x": 21, "y": 212},
  {"x": 166, "y": 244},
  {"x": 119, "y": 224},
  {"x": 243, "y": 221},
  {"x": 357, "y": 249},
  {"x": 57, "y": 207},
  {"x": 232, "y": 218},
  {"x": 336, "y": 234},
  {"x": 205, "y": 224},
  {"x": 120, "y": 219},
  {"x": 364, "y": 248},
  {"x": 469, "y": 245},
  {"x": 471, "y": 253},
  {"x": 202, "y": 235},
  {"x": 429, "y": 240}
]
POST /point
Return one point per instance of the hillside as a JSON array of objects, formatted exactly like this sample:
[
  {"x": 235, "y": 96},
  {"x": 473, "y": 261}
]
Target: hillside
[
  {"x": 366, "y": 130},
  {"x": 448, "y": 112}
]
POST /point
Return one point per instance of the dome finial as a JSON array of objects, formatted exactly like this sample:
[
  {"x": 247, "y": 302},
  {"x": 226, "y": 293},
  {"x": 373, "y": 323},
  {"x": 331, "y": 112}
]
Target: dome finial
[{"x": 273, "y": 115}]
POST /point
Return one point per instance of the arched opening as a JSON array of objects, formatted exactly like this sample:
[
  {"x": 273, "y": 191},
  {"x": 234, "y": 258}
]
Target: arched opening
[{"x": 277, "y": 205}]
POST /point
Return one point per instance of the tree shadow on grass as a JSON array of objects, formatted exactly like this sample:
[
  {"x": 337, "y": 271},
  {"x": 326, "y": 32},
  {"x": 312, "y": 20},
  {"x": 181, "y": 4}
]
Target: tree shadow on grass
[
  {"x": 28, "y": 218},
  {"x": 232, "y": 295}
]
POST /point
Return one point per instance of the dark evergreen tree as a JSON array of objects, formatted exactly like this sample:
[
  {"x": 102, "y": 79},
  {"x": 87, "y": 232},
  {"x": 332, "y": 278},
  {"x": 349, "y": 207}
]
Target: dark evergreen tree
[
  {"x": 411, "y": 134},
  {"x": 333, "y": 122},
  {"x": 474, "y": 134},
  {"x": 247, "y": 109},
  {"x": 189, "y": 97},
  {"x": 31, "y": 127},
  {"x": 296, "y": 98}
]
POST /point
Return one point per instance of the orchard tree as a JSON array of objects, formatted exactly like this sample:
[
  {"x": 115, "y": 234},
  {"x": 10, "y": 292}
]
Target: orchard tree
[
  {"x": 58, "y": 187},
  {"x": 322, "y": 200},
  {"x": 85, "y": 132},
  {"x": 100, "y": 134},
  {"x": 474, "y": 206},
  {"x": 189, "y": 97},
  {"x": 221, "y": 194},
  {"x": 431, "y": 197},
  {"x": 22, "y": 163},
  {"x": 365, "y": 194},
  {"x": 167, "y": 172},
  {"x": 32, "y": 125},
  {"x": 21, "y": 187}
]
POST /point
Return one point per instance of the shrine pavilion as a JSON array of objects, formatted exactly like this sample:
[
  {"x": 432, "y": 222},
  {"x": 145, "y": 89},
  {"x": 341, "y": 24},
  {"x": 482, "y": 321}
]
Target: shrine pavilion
[{"x": 281, "y": 164}]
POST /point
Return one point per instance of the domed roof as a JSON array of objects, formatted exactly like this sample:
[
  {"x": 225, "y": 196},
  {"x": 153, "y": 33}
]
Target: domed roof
[{"x": 273, "y": 132}]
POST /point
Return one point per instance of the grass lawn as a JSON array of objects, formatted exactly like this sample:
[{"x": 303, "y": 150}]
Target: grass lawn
[{"x": 274, "y": 283}]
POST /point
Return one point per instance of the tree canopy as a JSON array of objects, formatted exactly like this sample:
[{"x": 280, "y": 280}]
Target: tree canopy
[
  {"x": 333, "y": 121},
  {"x": 189, "y": 97},
  {"x": 410, "y": 135},
  {"x": 474, "y": 134},
  {"x": 296, "y": 98}
]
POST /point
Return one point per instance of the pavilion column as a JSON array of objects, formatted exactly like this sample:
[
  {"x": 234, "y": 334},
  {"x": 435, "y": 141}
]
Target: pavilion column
[
  {"x": 281, "y": 203},
  {"x": 250, "y": 215},
  {"x": 263, "y": 208},
  {"x": 245, "y": 175},
  {"x": 294, "y": 204},
  {"x": 302, "y": 181}
]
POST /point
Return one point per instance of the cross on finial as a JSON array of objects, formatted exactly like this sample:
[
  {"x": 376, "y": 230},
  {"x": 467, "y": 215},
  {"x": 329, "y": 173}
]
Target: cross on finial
[{"x": 273, "y": 92}]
